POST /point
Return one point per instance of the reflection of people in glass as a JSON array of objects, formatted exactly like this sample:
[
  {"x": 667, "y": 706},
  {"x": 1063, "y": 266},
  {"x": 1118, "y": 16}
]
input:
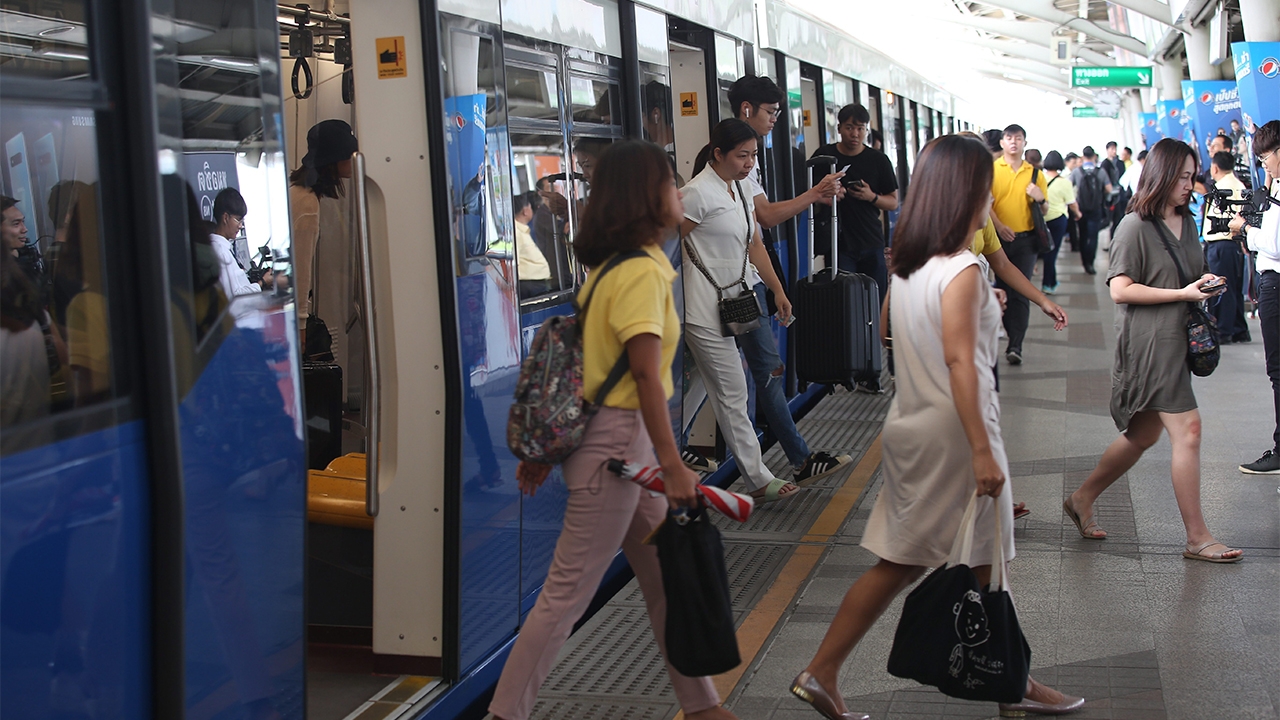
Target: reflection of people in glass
[
  {"x": 314, "y": 190},
  {"x": 532, "y": 267},
  {"x": 14, "y": 234},
  {"x": 88, "y": 336},
  {"x": 472, "y": 337},
  {"x": 229, "y": 209},
  {"x": 473, "y": 215},
  {"x": 24, "y": 363},
  {"x": 657, "y": 123}
]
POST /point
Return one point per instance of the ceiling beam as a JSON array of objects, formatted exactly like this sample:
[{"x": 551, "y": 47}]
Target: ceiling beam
[
  {"x": 1034, "y": 53},
  {"x": 1157, "y": 11},
  {"x": 1044, "y": 10},
  {"x": 1036, "y": 33},
  {"x": 1048, "y": 73},
  {"x": 1031, "y": 83}
]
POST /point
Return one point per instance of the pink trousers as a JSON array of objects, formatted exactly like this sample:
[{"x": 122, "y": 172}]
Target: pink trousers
[{"x": 604, "y": 512}]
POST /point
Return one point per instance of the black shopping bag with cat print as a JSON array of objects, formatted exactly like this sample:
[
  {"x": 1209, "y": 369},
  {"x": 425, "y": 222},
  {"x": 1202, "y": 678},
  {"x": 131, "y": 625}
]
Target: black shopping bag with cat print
[{"x": 960, "y": 637}]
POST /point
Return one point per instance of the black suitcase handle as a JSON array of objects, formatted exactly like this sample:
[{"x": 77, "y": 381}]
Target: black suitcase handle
[{"x": 830, "y": 163}]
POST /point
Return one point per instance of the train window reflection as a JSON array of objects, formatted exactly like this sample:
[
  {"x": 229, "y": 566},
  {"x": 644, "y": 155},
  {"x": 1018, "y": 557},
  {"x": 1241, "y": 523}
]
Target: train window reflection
[
  {"x": 532, "y": 93},
  {"x": 55, "y": 331},
  {"x": 541, "y": 188},
  {"x": 51, "y": 43},
  {"x": 594, "y": 101}
]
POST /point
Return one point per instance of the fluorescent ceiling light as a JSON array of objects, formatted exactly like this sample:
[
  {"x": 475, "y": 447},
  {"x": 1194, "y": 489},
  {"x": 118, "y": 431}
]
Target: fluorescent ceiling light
[{"x": 59, "y": 54}]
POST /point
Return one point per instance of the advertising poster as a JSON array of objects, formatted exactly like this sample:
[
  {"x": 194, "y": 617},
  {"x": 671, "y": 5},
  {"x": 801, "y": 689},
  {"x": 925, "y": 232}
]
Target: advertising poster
[
  {"x": 1258, "y": 79},
  {"x": 1170, "y": 120},
  {"x": 1150, "y": 129},
  {"x": 19, "y": 185},
  {"x": 209, "y": 173},
  {"x": 466, "y": 158},
  {"x": 1211, "y": 106}
]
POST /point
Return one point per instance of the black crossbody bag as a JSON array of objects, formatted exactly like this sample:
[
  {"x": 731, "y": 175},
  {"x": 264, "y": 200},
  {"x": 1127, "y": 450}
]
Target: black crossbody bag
[
  {"x": 741, "y": 314},
  {"x": 1203, "y": 348}
]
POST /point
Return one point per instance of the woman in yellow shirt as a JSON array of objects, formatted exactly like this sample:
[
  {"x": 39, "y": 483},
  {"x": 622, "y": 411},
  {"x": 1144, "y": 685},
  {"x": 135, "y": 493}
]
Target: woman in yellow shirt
[
  {"x": 634, "y": 205},
  {"x": 1061, "y": 197}
]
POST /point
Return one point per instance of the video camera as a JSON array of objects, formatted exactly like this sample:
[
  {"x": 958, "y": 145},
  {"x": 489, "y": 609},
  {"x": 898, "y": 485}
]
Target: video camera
[
  {"x": 257, "y": 270},
  {"x": 1251, "y": 205}
]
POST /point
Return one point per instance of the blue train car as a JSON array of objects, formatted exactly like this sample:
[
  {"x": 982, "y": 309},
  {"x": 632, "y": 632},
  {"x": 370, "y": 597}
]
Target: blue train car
[{"x": 206, "y": 510}]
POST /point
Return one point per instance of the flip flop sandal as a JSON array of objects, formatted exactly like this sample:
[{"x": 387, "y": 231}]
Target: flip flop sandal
[
  {"x": 1086, "y": 530},
  {"x": 772, "y": 492},
  {"x": 1195, "y": 553}
]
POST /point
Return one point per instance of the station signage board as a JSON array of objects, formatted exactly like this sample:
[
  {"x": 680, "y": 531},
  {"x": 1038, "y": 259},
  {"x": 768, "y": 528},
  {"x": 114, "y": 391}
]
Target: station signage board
[
  {"x": 1084, "y": 112},
  {"x": 1082, "y": 76}
]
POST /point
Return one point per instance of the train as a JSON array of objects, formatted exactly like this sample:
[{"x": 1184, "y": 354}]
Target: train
[{"x": 197, "y": 521}]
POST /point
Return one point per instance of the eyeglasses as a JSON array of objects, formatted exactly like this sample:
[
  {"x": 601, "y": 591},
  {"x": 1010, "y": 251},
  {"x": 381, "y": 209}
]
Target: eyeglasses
[
  {"x": 1266, "y": 156},
  {"x": 774, "y": 113}
]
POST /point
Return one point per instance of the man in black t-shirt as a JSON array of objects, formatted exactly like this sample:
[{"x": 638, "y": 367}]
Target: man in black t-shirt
[{"x": 870, "y": 187}]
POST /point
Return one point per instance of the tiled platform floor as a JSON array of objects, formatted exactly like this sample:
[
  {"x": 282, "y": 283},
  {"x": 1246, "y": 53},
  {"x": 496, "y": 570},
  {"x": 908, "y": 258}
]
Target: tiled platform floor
[{"x": 1142, "y": 633}]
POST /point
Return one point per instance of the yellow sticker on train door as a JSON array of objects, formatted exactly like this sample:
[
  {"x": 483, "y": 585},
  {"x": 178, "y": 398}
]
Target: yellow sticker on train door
[
  {"x": 808, "y": 121},
  {"x": 689, "y": 104},
  {"x": 391, "y": 63}
]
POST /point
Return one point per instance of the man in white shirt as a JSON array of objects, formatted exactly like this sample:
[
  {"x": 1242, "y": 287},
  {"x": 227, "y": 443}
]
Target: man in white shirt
[
  {"x": 1265, "y": 241},
  {"x": 229, "y": 209},
  {"x": 1224, "y": 254}
]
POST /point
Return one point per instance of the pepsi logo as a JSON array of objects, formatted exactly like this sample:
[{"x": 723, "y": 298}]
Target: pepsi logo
[
  {"x": 1207, "y": 98},
  {"x": 1269, "y": 67},
  {"x": 1173, "y": 112},
  {"x": 459, "y": 121},
  {"x": 1151, "y": 123}
]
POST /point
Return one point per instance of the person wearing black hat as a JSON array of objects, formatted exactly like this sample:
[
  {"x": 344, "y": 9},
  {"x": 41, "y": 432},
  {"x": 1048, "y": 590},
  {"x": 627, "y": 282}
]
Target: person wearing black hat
[{"x": 319, "y": 215}]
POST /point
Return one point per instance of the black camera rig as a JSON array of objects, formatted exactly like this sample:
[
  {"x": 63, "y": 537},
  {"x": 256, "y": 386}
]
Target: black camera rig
[{"x": 1251, "y": 205}]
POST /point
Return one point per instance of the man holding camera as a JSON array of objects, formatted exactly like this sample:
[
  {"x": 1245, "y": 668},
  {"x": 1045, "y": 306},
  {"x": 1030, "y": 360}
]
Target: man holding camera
[
  {"x": 870, "y": 187},
  {"x": 1223, "y": 252},
  {"x": 1264, "y": 239}
]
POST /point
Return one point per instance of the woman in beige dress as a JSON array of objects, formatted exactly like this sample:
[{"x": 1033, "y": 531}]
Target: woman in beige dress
[{"x": 942, "y": 435}]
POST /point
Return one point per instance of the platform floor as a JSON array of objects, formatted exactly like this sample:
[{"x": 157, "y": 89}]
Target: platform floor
[{"x": 1128, "y": 623}]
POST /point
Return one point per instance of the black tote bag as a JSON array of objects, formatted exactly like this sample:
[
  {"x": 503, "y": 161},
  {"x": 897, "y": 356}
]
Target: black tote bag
[
  {"x": 700, "y": 635},
  {"x": 1044, "y": 239},
  {"x": 959, "y": 637}
]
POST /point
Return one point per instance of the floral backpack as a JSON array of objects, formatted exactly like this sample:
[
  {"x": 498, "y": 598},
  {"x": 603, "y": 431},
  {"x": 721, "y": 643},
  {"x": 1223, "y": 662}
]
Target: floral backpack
[{"x": 549, "y": 416}]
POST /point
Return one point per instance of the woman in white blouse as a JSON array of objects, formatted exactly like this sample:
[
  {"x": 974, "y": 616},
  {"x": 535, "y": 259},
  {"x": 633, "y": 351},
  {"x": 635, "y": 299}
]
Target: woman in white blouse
[{"x": 720, "y": 239}]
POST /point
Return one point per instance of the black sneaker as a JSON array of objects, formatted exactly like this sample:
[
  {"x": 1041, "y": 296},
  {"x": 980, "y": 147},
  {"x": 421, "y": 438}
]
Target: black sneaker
[
  {"x": 1013, "y": 356},
  {"x": 696, "y": 461},
  {"x": 818, "y": 466},
  {"x": 870, "y": 387},
  {"x": 1268, "y": 464}
]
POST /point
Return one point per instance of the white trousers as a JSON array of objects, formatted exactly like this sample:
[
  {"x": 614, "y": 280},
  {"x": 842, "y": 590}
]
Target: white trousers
[{"x": 720, "y": 366}]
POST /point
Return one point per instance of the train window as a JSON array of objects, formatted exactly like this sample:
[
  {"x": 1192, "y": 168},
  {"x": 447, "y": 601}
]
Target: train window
[
  {"x": 541, "y": 183},
  {"x": 533, "y": 93},
  {"x": 728, "y": 58},
  {"x": 56, "y": 332},
  {"x": 46, "y": 41},
  {"x": 595, "y": 101}
]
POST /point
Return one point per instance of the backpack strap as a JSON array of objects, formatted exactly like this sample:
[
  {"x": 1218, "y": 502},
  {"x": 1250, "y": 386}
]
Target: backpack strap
[{"x": 623, "y": 364}]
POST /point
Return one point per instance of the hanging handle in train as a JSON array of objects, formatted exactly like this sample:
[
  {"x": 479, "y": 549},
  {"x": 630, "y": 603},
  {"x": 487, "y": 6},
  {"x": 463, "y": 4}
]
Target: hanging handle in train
[
  {"x": 830, "y": 164},
  {"x": 373, "y": 430}
]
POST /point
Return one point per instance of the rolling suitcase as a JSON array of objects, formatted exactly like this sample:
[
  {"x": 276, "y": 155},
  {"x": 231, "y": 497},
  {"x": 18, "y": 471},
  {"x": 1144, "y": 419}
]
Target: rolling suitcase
[
  {"x": 837, "y": 326},
  {"x": 322, "y": 391}
]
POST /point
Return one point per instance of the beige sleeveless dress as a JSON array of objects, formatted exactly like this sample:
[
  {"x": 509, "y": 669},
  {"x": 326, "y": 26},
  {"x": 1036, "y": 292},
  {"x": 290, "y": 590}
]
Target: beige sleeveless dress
[{"x": 928, "y": 467}]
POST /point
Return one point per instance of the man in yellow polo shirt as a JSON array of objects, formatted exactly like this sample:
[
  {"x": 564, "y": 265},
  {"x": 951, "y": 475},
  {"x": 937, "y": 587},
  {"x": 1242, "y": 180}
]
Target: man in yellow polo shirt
[{"x": 1014, "y": 192}]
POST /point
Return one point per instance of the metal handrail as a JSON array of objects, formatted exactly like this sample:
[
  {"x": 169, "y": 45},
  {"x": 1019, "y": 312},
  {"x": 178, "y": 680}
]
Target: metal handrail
[{"x": 373, "y": 429}]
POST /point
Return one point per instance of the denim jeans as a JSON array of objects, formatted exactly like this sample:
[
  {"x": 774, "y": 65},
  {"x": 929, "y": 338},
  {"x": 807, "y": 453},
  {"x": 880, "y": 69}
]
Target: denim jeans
[
  {"x": 1090, "y": 224},
  {"x": 1022, "y": 253},
  {"x": 771, "y": 398},
  {"x": 1057, "y": 231}
]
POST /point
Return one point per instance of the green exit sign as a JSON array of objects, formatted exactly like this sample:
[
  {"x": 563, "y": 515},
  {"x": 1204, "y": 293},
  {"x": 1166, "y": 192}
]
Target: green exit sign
[
  {"x": 1084, "y": 112},
  {"x": 1110, "y": 76}
]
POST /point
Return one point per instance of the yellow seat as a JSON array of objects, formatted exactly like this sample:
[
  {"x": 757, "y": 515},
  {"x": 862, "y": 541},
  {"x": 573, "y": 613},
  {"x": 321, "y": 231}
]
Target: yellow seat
[{"x": 336, "y": 495}]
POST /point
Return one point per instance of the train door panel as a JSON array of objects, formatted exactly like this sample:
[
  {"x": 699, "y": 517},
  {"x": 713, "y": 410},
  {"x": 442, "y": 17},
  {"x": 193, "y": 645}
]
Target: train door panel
[
  {"x": 812, "y": 126},
  {"x": 76, "y": 486},
  {"x": 239, "y": 417}
]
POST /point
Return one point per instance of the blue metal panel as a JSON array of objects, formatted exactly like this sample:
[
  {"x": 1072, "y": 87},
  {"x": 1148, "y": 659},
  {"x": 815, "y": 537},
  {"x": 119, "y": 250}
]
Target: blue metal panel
[
  {"x": 74, "y": 590},
  {"x": 489, "y": 571},
  {"x": 244, "y": 482}
]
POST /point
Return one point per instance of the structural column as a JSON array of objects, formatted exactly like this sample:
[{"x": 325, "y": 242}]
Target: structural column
[
  {"x": 1197, "y": 42},
  {"x": 1171, "y": 79},
  {"x": 1261, "y": 20}
]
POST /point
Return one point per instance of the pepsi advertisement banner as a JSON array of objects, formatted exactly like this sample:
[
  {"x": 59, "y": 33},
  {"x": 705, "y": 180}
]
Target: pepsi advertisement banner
[
  {"x": 1170, "y": 121},
  {"x": 466, "y": 158},
  {"x": 1150, "y": 129},
  {"x": 1258, "y": 78},
  {"x": 1211, "y": 106}
]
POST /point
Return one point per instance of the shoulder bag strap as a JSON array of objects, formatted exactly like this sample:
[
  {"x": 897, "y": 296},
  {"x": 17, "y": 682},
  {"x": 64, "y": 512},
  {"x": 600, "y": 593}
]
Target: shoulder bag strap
[
  {"x": 697, "y": 259},
  {"x": 1164, "y": 233},
  {"x": 623, "y": 364}
]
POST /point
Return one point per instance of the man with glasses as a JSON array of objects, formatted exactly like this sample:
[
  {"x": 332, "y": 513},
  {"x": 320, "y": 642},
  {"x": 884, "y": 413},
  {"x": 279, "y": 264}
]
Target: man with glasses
[
  {"x": 229, "y": 209},
  {"x": 1265, "y": 241}
]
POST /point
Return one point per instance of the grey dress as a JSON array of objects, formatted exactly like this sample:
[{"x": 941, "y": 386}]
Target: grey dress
[{"x": 1151, "y": 370}]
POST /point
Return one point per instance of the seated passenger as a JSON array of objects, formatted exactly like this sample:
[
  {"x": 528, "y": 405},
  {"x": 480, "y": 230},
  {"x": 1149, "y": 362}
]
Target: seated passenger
[{"x": 531, "y": 264}]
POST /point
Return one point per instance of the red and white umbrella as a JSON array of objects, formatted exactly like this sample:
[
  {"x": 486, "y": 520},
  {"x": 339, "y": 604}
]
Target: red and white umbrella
[{"x": 731, "y": 504}]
